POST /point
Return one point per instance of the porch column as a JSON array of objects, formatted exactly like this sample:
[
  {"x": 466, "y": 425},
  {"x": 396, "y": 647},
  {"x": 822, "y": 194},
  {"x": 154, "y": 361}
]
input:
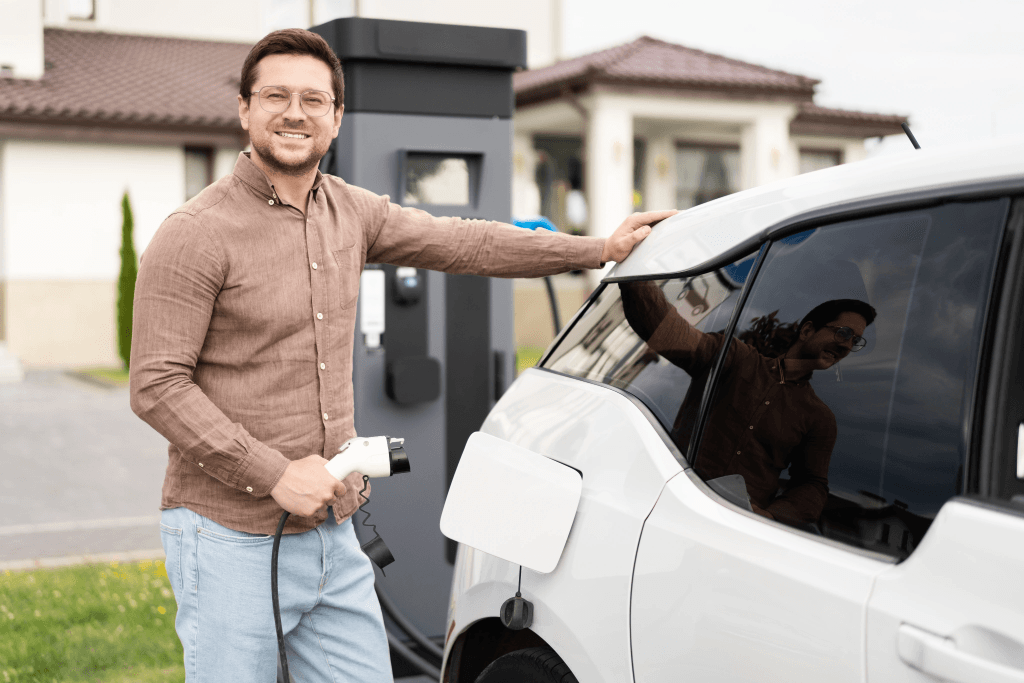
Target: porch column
[
  {"x": 525, "y": 193},
  {"x": 854, "y": 151},
  {"x": 609, "y": 166},
  {"x": 766, "y": 154}
]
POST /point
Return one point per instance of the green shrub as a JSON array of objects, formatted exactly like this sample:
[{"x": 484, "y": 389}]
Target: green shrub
[{"x": 126, "y": 282}]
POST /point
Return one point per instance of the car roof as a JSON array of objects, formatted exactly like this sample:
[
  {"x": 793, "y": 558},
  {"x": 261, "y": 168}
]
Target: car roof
[{"x": 706, "y": 234}]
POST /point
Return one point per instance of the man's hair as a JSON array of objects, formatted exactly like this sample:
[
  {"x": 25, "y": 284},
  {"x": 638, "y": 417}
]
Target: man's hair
[
  {"x": 823, "y": 314},
  {"x": 293, "y": 41},
  {"x": 772, "y": 337}
]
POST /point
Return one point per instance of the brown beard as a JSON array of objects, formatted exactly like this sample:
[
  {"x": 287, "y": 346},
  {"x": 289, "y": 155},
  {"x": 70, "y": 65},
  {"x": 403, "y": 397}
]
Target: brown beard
[{"x": 301, "y": 168}]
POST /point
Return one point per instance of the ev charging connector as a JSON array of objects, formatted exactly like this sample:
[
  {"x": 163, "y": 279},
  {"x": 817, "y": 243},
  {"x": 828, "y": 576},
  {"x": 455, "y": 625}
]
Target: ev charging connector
[{"x": 374, "y": 456}]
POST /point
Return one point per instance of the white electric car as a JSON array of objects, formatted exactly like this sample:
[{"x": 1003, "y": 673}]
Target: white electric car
[{"x": 672, "y": 505}]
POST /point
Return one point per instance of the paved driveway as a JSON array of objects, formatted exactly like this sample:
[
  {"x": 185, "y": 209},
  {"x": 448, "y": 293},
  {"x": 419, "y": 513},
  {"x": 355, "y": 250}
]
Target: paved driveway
[{"x": 81, "y": 473}]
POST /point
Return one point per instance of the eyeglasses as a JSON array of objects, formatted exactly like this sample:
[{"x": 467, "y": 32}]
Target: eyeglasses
[
  {"x": 276, "y": 99},
  {"x": 845, "y": 334}
]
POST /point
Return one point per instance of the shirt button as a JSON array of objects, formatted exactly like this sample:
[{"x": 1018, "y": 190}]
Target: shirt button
[
  {"x": 314, "y": 265},
  {"x": 767, "y": 402},
  {"x": 739, "y": 452},
  {"x": 201, "y": 464},
  {"x": 249, "y": 489},
  {"x": 751, "y": 426},
  {"x": 325, "y": 416},
  {"x": 319, "y": 316},
  {"x": 271, "y": 202},
  {"x": 323, "y": 366}
]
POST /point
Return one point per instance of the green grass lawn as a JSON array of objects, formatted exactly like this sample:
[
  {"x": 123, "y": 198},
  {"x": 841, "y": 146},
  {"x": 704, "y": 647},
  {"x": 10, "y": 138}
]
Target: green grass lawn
[
  {"x": 103, "y": 623},
  {"x": 527, "y": 357},
  {"x": 116, "y": 377}
]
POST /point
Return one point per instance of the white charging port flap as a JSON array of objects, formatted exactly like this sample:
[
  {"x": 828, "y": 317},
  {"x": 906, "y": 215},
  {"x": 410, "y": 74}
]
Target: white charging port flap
[
  {"x": 511, "y": 503},
  {"x": 371, "y": 307}
]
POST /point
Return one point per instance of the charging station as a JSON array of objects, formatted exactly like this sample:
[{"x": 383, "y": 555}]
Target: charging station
[{"x": 428, "y": 121}]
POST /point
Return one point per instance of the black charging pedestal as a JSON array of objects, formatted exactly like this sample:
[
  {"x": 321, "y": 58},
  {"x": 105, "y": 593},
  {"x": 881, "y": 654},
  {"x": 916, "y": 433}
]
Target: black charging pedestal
[{"x": 428, "y": 122}]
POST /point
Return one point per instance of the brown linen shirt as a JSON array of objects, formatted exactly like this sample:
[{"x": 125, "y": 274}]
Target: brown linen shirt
[
  {"x": 244, "y": 320},
  {"x": 757, "y": 426}
]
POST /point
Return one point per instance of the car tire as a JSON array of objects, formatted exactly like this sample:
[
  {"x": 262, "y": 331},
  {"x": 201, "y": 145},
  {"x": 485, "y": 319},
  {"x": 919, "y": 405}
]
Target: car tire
[{"x": 532, "y": 665}]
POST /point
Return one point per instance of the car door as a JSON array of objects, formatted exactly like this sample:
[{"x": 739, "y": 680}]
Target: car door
[
  {"x": 954, "y": 610},
  {"x": 853, "y": 460}
]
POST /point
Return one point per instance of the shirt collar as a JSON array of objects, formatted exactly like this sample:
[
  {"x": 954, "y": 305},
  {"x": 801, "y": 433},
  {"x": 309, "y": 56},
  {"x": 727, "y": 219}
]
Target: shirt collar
[
  {"x": 775, "y": 364},
  {"x": 251, "y": 174}
]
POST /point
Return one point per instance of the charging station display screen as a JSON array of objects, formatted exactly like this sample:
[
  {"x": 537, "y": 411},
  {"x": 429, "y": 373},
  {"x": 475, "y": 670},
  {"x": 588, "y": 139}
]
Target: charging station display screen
[{"x": 436, "y": 179}]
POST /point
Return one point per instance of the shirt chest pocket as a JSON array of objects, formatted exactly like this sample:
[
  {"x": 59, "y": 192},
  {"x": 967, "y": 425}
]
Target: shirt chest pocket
[{"x": 348, "y": 261}]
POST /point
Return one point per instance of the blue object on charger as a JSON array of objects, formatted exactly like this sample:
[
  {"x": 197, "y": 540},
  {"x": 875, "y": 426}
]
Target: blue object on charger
[{"x": 534, "y": 223}]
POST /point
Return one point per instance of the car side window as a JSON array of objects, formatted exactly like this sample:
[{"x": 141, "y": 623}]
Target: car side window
[
  {"x": 845, "y": 396},
  {"x": 611, "y": 343}
]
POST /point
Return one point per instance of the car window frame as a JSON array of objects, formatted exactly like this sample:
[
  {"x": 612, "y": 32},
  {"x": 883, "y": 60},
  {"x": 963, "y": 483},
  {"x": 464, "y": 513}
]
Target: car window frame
[{"x": 995, "y": 440}]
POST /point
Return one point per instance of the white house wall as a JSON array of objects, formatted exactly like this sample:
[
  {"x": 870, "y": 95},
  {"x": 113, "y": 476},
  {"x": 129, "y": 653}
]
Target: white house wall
[
  {"x": 249, "y": 20},
  {"x": 61, "y": 239},
  {"x": 21, "y": 37},
  {"x": 229, "y": 20}
]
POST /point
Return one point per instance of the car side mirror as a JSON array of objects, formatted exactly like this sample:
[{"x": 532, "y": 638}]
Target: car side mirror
[{"x": 510, "y": 502}]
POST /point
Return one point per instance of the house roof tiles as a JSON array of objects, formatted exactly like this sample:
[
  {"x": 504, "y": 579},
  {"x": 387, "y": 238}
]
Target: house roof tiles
[
  {"x": 647, "y": 60},
  {"x": 116, "y": 79}
]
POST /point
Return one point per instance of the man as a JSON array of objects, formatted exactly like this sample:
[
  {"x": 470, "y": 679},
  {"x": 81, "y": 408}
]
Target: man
[
  {"x": 242, "y": 358},
  {"x": 765, "y": 416}
]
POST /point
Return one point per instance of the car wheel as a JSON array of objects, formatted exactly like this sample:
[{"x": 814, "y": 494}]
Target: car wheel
[{"x": 532, "y": 665}]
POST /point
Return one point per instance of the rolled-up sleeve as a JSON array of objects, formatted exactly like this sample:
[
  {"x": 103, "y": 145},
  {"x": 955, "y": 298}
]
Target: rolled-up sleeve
[
  {"x": 411, "y": 237},
  {"x": 180, "y": 275}
]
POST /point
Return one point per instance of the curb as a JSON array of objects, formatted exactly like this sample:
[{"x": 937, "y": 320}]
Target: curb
[{"x": 71, "y": 560}]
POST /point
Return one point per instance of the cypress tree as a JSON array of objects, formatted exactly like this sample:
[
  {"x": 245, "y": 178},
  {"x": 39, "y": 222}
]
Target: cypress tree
[{"x": 126, "y": 282}]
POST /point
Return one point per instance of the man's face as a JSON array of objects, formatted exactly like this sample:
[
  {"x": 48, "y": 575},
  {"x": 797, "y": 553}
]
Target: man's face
[
  {"x": 292, "y": 142},
  {"x": 822, "y": 345}
]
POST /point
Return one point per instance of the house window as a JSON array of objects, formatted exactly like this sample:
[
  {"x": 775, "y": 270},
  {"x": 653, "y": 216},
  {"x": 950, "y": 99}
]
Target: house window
[
  {"x": 817, "y": 159},
  {"x": 198, "y": 170},
  {"x": 705, "y": 172},
  {"x": 81, "y": 9}
]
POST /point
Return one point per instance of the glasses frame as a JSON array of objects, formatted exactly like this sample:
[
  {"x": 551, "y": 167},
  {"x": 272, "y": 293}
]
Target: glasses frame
[
  {"x": 858, "y": 342},
  {"x": 292, "y": 94}
]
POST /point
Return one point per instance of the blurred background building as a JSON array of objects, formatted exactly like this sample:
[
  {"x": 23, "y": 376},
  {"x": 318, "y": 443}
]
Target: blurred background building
[{"x": 100, "y": 97}]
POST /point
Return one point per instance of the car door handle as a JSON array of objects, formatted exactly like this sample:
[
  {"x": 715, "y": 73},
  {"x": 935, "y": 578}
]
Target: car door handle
[{"x": 940, "y": 657}]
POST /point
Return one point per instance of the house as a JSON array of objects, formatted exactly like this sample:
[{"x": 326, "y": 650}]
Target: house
[{"x": 652, "y": 125}]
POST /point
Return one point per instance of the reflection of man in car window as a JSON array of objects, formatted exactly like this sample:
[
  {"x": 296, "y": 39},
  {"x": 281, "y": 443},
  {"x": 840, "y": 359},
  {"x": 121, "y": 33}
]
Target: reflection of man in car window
[{"x": 765, "y": 417}]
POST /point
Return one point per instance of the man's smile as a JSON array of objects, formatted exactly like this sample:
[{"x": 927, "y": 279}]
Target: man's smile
[{"x": 295, "y": 136}]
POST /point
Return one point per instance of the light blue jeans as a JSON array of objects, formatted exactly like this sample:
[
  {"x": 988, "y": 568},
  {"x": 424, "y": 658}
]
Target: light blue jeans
[{"x": 334, "y": 631}]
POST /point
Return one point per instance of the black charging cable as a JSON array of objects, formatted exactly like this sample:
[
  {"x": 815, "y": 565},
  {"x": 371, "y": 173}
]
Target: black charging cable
[
  {"x": 273, "y": 594},
  {"x": 549, "y": 283},
  {"x": 380, "y": 555}
]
